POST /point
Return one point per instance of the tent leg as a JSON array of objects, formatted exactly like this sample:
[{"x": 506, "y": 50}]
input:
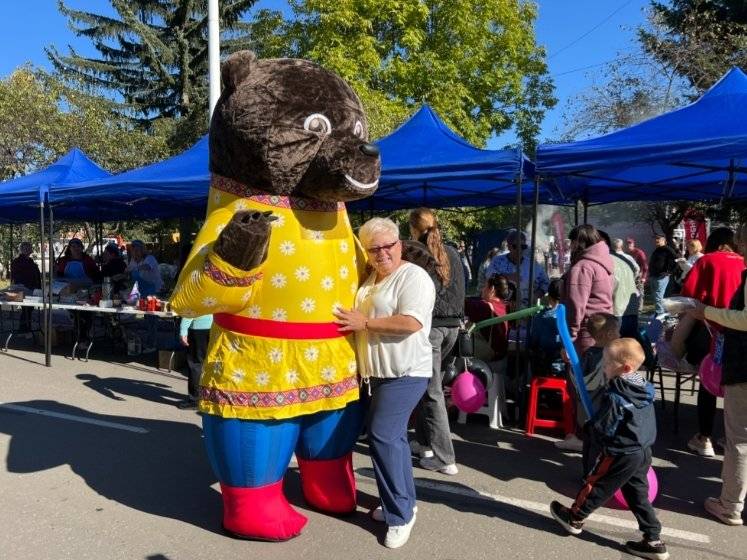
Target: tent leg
[
  {"x": 586, "y": 212},
  {"x": 46, "y": 310},
  {"x": 51, "y": 280},
  {"x": 533, "y": 245}
]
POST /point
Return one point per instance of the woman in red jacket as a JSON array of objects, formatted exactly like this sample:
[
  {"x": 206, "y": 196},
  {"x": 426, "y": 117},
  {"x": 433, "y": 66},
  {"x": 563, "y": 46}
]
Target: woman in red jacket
[
  {"x": 76, "y": 266},
  {"x": 713, "y": 280}
]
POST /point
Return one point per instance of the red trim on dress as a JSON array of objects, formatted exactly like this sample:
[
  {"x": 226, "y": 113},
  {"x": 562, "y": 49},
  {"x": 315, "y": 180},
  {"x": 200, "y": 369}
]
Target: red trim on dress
[
  {"x": 292, "y": 202},
  {"x": 226, "y": 279},
  {"x": 277, "y": 329},
  {"x": 274, "y": 399}
]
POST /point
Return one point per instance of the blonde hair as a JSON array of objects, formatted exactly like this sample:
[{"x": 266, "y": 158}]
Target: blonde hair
[
  {"x": 375, "y": 226},
  {"x": 602, "y": 323},
  {"x": 626, "y": 351},
  {"x": 695, "y": 245},
  {"x": 424, "y": 223}
]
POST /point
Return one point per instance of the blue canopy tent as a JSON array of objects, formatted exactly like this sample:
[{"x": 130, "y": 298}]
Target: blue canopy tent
[
  {"x": 424, "y": 163},
  {"x": 693, "y": 153},
  {"x": 20, "y": 198},
  {"x": 175, "y": 187}
]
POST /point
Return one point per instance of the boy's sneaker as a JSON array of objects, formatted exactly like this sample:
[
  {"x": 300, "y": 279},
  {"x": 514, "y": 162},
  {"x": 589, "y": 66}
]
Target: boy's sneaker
[
  {"x": 432, "y": 464},
  {"x": 397, "y": 535},
  {"x": 656, "y": 550},
  {"x": 716, "y": 508},
  {"x": 570, "y": 443},
  {"x": 420, "y": 450},
  {"x": 564, "y": 516},
  {"x": 701, "y": 445},
  {"x": 378, "y": 514}
]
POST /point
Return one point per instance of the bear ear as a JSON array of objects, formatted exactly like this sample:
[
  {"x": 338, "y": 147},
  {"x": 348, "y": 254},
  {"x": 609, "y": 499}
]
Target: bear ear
[{"x": 236, "y": 68}]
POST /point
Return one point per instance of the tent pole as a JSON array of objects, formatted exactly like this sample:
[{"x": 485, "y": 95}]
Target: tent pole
[
  {"x": 575, "y": 214},
  {"x": 533, "y": 245},
  {"x": 46, "y": 311},
  {"x": 10, "y": 252},
  {"x": 48, "y": 329},
  {"x": 586, "y": 212}
]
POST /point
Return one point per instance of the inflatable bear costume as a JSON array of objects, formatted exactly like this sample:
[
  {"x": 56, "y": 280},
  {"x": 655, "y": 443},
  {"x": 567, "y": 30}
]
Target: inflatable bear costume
[{"x": 275, "y": 257}]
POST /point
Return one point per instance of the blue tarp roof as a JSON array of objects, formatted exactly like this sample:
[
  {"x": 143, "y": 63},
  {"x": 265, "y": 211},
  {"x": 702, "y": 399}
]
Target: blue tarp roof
[
  {"x": 693, "y": 153},
  {"x": 20, "y": 198},
  {"x": 424, "y": 163},
  {"x": 175, "y": 187}
]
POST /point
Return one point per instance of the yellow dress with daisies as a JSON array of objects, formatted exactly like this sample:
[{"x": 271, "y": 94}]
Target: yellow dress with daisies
[{"x": 314, "y": 265}]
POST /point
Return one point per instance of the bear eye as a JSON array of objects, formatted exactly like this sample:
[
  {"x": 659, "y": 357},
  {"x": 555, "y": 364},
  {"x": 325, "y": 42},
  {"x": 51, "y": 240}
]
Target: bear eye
[
  {"x": 358, "y": 130},
  {"x": 317, "y": 123}
]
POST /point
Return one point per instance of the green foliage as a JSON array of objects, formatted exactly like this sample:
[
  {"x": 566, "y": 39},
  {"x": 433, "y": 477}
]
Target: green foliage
[
  {"x": 41, "y": 119},
  {"x": 702, "y": 39},
  {"x": 476, "y": 62},
  {"x": 153, "y": 55}
]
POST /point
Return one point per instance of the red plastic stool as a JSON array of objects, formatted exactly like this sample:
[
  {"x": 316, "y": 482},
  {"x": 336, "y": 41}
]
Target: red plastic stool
[{"x": 566, "y": 422}]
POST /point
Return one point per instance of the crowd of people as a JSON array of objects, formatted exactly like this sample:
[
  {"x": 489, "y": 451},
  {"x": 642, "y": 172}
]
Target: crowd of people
[{"x": 602, "y": 288}]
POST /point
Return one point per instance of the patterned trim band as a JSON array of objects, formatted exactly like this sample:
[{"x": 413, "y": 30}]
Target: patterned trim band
[
  {"x": 274, "y": 399},
  {"x": 226, "y": 280},
  {"x": 294, "y": 202}
]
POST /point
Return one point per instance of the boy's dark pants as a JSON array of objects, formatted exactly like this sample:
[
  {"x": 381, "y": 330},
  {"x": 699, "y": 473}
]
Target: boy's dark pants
[
  {"x": 629, "y": 473},
  {"x": 196, "y": 352}
]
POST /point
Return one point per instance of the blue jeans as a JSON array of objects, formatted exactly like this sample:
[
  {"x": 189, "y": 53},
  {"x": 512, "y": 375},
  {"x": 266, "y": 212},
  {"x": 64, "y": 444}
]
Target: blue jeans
[
  {"x": 658, "y": 288},
  {"x": 389, "y": 408}
]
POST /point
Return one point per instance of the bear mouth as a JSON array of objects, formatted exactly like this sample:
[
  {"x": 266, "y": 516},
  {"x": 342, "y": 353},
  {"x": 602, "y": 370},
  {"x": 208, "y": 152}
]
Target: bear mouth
[{"x": 364, "y": 187}]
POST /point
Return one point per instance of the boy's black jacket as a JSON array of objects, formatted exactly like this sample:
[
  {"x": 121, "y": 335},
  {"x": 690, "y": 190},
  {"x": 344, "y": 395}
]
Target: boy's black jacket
[{"x": 626, "y": 421}]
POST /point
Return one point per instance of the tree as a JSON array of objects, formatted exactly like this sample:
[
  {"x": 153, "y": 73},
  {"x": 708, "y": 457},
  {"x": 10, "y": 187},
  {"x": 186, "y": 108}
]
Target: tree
[
  {"x": 41, "y": 119},
  {"x": 702, "y": 39},
  {"x": 475, "y": 61},
  {"x": 152, "y": 55}
]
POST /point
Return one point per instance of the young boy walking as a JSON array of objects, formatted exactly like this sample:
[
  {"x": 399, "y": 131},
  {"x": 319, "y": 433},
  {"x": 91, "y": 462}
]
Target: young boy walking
[{"x": 624, "y": 427}]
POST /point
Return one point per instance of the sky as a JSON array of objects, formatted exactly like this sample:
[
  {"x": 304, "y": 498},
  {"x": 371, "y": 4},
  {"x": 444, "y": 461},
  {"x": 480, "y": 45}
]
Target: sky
[{"x": 579, "y": 35}]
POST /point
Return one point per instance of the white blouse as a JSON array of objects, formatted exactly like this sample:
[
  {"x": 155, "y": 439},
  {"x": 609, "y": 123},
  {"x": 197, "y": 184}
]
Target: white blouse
[{"x": 406, "y": 291}]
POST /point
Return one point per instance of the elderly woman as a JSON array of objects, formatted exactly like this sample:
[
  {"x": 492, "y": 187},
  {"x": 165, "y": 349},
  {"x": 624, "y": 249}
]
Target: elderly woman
[
  {"x": 391, "y": 321},
  {"x": 143, "y": 269}
]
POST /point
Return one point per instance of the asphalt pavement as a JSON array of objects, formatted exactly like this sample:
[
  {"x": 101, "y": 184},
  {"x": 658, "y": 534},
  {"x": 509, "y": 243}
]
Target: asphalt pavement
[{"x": 100, "y": 464}]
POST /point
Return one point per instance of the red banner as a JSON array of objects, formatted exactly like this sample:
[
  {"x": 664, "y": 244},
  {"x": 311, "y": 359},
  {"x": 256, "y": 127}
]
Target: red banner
[{"x": 695, "y": 226}]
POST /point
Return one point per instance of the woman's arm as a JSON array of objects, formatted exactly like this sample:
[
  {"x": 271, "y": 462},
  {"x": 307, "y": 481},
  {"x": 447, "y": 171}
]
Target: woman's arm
[
  {"x": 731, "y": 318},
  {"x": 353, "y": 320}
]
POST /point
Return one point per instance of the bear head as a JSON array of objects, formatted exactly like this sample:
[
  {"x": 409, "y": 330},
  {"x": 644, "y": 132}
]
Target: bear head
[{"x": 290, "y": 127}]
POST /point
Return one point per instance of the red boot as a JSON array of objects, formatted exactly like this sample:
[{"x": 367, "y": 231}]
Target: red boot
[
  {"x": 260, "y": 513},
  {"x": 329, "y": 485}
]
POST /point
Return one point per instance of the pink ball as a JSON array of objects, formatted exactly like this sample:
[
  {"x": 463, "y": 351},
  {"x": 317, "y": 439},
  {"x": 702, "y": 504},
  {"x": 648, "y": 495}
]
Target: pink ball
[
  {"x": 618, "y": 501},
  {"x": 468, "y": 392}
]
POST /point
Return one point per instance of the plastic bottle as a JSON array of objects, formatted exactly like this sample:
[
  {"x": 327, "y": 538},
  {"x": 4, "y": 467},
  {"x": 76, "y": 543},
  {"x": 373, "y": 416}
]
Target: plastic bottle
[{"x": 106, "y": 288}]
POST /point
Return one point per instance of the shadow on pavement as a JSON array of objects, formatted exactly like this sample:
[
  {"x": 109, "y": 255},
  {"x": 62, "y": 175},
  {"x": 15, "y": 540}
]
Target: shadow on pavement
[
  {"x": 114, "y": 387},
  {"x": 163, "y": 472}
]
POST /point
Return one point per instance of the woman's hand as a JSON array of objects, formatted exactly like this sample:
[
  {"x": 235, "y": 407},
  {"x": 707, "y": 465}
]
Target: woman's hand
[
  {"x": 351, "y": 320},
  {"x": 698, "y": 312},
  {"x": 184, "y": 340}
]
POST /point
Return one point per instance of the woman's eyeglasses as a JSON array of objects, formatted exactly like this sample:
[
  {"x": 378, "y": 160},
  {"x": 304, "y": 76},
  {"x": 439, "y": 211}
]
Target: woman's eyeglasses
[{"x": 387, "y": 248}]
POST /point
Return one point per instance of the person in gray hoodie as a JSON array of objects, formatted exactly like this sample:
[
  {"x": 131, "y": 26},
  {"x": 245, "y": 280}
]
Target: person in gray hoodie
[{"x": 588, "y": 285}]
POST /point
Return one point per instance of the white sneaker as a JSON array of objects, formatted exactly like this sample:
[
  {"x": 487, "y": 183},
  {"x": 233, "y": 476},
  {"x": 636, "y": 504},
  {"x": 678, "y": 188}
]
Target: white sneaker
[
  {"x": 431, "y": 464},
  {"x": 378, "y": 513},
  {"x": 701, "y": 445},
  {"x": 716, "y": 508},
  {"x": 398, "y": 535},
  {"x": 570, "y": 443},
  {"x": 420, "y": 450}
]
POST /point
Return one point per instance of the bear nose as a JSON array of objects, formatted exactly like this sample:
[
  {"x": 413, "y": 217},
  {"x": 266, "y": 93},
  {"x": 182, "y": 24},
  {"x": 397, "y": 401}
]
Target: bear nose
[{"x": 370, "y": 149}]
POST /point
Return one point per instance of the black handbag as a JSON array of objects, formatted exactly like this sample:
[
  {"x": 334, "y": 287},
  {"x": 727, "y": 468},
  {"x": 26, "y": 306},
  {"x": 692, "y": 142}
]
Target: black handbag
[{"x": 697, "y": 344}]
